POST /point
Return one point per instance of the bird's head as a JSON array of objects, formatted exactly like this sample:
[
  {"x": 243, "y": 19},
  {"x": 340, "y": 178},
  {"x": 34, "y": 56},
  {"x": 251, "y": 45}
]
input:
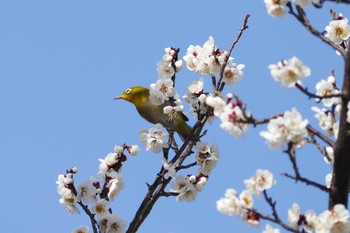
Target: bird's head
[{"x": 134, "y": 94}]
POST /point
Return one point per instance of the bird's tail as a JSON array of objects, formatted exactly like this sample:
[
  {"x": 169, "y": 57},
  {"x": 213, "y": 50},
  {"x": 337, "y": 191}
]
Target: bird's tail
[{"x": 184, "y": 130}]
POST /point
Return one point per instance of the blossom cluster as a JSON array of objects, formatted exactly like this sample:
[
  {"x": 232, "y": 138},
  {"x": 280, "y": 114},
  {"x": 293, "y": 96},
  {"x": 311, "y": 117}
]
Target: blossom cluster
[
  {"x": 188, "y": 187},
  {"x": 334, "y": 220},
  {"x": 338, "y": 29},
  {"x": 232, "y": 114},
  {"x": 233, "y": 204},
  {"x": 155, "y": 139},
  {"x": 96, "y": 194},
  {"x": 289, "y": 72},
  {"x": 328, "y": 115},
  {"x": 208, "y": 60},
  {"x": 163, "y": 90},
  {"x": 289, "y": 128}
]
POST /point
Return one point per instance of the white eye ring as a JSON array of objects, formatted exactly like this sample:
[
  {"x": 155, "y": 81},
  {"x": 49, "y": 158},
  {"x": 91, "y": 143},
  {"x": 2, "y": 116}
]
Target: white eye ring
[{"x": 127, "y": 91}]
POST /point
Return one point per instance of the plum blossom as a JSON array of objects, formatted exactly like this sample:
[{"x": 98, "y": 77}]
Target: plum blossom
[
  {"x": 230, "y": 204},
  {"x": 327, "y": 88},
  {"x": 338, "y": 30},
  {"x": 207, "y": 157},
  {"x": 284, "y": 129},
  {"x": 161, "y": 91},
  {"x": 185, "y": 188},
  {"x": 155, "y": 138},
  {"x": 289, "y": 72},
  {"x": 260, "y": 181},
  {"x": 276, "y": 8}
]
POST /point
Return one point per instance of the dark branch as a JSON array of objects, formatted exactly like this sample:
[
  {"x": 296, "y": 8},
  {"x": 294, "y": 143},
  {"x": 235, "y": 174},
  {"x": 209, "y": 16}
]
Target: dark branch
[
  {"x": 91, "y": 216},
  {"x": 307, "y": 182},
  {"x": 305, "y": 90},
  {"x": 312, "y": 131},
  {"x": 302, "y": 18},
  {"x": 222, "y": 68}
]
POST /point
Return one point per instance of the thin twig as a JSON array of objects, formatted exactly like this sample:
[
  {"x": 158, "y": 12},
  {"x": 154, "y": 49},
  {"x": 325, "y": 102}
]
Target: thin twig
[
  {"x": 302, "y": 18},
  {"x": 307, "y": 182},
  {"x": 186, "y": 166},
  {"x": 313, "y": 131},
  {"x": 320, "y": 148},
  {"x": 291, "y": 153},
  {"x": 91, "y": 216},
  {"x": 305, "y": 90},
  {"x": 228, "y": 54},
  {"x": 275, "y": 218}
]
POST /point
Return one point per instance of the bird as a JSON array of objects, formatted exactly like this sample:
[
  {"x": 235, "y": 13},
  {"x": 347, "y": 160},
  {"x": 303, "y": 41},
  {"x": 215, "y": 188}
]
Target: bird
[{"x": 139, "y": 97}]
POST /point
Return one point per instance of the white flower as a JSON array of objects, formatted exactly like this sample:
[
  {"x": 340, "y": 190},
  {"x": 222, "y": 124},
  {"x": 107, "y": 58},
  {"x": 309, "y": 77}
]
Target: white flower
[
  {"x": 118, "y": 149},
  {"x": 328, "y": 180},
  {"x": 114, "y": 187},
  {"x": 133, "y": 149},
  {"x": 270, "y": 229},
  {"x": 230, "y": 120},
  {"x": 205, "y": 59},
  {"x": 178, "y": 65},
  {"x": 155, "y": 138},
  {"x": 326, "y": 88},
  {"x": 310, "y": 221},
  {"x": 115, "y": 224},
  {"x": 330, "y": 153},
  {"x": 260, "y": 181},
  {"x": 302, "y": 3},
  {"x": 289, "y": 72},
  {"x": 335, "y": 220},
  {"x": 294, "y": 216},
  {"x": 325, "y": 118},
  {"x": 230, "y": 204},
  {"x": 338, "y": 30},
  {"x": 200, "y": 183},
  {"x": 106, "y": 165},
  {"x": 172, "y": 111},
  {"x": 68, "y": 200},
  {"x": 207, "y": 157},
  {"x": 233, "y": 73},
  {"x": 217, "y": 103},
  {"x": 81, "y": 229},
  {"x": 196, "y": 87},
  {"x": 169, "y": 167},
  {"x": 165, "y": 70},
  {"x": 185, "y": 189},
  {"x": 288, "y": 128},
  {"x": 86, "y": 191},
  {"x": 276, "y": 8},
  {"x": 161, "y": 91},
  {"x": 100, "y": 207},
  {"x": 246, "y": 199}
]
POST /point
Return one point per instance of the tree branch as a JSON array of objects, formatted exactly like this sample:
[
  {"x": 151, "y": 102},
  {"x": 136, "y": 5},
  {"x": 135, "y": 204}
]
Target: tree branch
[
  {"x": 220, "y": 87},
  {"x": 312, "y": 131},
  {"x": 275, "y": 218},
  {"x": 341, "y": 173},
  {"x": 91, "y": 216},
  {"x": 312, "y": 95},
  {"x": 307, "y": 182},
  {"x": 302, "y": 18}
]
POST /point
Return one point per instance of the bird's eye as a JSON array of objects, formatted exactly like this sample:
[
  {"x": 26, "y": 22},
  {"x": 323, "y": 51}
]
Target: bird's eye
[{"x": 127, "y": 91}]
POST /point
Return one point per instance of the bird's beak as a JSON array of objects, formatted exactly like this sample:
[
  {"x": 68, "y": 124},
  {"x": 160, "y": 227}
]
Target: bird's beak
[{"x": 118, "y": 97}]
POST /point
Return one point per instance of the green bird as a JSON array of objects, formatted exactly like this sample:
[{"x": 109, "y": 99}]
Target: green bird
[{"x": 139, "y": 97}]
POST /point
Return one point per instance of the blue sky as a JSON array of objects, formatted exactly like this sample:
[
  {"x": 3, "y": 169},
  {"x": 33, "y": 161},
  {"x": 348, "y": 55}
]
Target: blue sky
[{"x": 61, "y": 64}]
